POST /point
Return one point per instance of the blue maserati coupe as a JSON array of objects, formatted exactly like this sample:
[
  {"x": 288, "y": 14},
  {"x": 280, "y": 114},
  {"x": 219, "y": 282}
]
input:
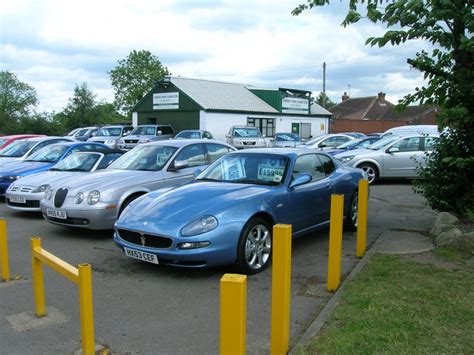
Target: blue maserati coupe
[{"x": 226, "y": 214}]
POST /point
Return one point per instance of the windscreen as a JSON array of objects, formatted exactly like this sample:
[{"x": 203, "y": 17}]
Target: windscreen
[
  {"x": 189, "y": 135},
  {"x": 78, "y": 162},
  {"x": 17, "y": 149},
  {"x": 109, "y": 132},
  {"x": 246, "y": 132},
  {"x": 144, "y": 131},
  {"x": 148, "y": 158},
  {"x": 287, "y": 137},
  {"x": 49, "y": 154},
  {"x": 260, "y": 169}
]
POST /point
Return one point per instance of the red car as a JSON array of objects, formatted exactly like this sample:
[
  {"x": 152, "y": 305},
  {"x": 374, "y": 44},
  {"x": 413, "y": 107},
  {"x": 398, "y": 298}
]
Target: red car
[{"x": 6, "y": 140}]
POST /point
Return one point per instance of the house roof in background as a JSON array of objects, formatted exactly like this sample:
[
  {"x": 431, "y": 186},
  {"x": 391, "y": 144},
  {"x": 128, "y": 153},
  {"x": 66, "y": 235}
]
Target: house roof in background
[{"x": 319, "y": 110}]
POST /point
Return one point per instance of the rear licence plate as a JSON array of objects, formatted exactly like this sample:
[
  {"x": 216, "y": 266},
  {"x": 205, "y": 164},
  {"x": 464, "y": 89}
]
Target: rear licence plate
[
  {"x": 140, "y": 255},
  {"x": 17, "y": 199},
  {"x": 56, "y": 214}
]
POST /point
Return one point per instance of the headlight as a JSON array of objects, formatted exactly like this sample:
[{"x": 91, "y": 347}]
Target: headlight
[
  {"x": 11, "y": 178},
  {"x": 110, "y": 141},
  {"x": 199, "y": 226},
  {"x": 121, "y": 141},
  {"x": 261, "y": 141},
  {"x": 79, "y": 198},
  {"x": 48, "y": 194},
  {"x": 93, "y": 197},
  {"x": 143, "y": 141},
  {"x": 41, "y": 188},
  {"x": 347, "y": 159}
]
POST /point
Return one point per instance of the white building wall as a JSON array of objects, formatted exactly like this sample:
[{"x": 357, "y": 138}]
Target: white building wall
[{"x": 219, "y": 123}]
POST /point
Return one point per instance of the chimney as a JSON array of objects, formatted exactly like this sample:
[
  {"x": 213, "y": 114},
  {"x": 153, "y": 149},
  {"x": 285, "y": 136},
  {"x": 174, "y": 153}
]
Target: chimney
[
  {"x": 381, "y": 97},
  {"x": 345, "y": 97}
]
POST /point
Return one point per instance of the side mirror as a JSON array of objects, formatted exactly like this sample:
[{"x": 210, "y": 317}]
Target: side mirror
[
  {"x": 322, "y": 145},
  {"x": 125, "y": 134},
  {"x": 227, "y": 135},
  {"x": 301, "y": 179},
  {"x": 179, "y": 164},
  {"x": 159, "y": 133},
  {"x": 264, "y": 135},
  {"x": 392, "y": 150},
  {"x": 197, "y": 172}
]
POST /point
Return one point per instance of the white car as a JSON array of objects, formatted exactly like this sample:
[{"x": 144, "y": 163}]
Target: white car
[
  {"x": 329, "y": 141},
  {"x": 243, "y": 137},
  {"x": 390, "y": 157}
]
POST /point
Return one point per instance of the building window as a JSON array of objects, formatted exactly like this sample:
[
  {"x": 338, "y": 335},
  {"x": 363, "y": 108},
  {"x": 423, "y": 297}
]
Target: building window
[{"x": 266, "y": 125}]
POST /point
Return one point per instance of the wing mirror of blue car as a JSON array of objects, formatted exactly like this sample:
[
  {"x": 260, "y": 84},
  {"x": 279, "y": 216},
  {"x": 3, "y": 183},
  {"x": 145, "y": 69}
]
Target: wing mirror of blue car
[
  {"x": 301, "y": 179},
  {"x": 393, "y": 150},
  {"x": 197, "y": 172}
]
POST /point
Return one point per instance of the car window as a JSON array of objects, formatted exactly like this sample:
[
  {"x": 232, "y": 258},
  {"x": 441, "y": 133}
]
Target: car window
[
  {"x": 408, "y": 144},
  {"x": 45, "y": 143},
  {"x": 166, "y": 130},
  {"x": 430, "y": 142},
  {"x": 215, "y": 151},
  {"x": 309, "y": 164},
  {"x": 327, "y": 163},
  {"x": 333, "y": 141},
  {"x": 192, "y": 155},
  {"x": 107, "y": 160}
]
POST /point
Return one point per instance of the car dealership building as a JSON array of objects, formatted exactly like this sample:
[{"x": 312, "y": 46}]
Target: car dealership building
[{"x": 216, "y": 106}]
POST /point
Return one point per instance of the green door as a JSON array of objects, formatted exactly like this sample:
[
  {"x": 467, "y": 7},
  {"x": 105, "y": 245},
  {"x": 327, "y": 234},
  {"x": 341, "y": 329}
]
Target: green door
[{"x": 295, "y": 127}]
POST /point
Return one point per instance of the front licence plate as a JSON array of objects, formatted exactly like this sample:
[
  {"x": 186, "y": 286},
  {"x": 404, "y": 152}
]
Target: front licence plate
[
  {"x": 140, "y": 255},
  {"x": 17, "y": 199},
  {"x": 56, "y": 213}
]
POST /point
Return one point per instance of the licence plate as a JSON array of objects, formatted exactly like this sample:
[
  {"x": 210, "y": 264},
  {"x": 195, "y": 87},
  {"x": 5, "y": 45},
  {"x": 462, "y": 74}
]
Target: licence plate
[
  {"x": 140, "y": 255},
  {"x": 56, "y": 213},
  {"x": 17, "y": 199}
]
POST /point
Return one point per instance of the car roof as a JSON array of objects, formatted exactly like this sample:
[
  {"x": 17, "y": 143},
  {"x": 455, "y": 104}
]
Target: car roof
[
  {"x": 288, "y": 152},
  {"x": 183, "y": 142},
  {"x": 70, "y": 144},
  {"x": 45, "y": 138},
  {"x": 17, "y": 136},
  {"x": 104, "y": 151}
]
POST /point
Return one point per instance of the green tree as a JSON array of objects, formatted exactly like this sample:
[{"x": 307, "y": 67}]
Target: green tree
[
  {"x": 17, "y": 100},
  {"x": 41, "y": 123},
  {"x": 134, "y": 76},
  {"x": 328, "y": 103},
  {"x": 448, "y": 67},
  {"x": 83, "y": 110}
]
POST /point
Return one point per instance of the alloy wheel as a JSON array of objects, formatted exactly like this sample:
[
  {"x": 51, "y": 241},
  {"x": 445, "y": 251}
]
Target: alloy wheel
[{"x": 258, "y": 245}]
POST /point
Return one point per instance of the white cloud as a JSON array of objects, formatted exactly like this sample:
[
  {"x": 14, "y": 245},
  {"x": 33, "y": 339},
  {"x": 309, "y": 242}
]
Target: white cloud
[{"x": 55, "y": 44}]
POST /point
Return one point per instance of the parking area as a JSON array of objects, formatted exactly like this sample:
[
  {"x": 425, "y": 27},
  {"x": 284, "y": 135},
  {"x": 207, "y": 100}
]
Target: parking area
[{"x": 146, "y": 308}]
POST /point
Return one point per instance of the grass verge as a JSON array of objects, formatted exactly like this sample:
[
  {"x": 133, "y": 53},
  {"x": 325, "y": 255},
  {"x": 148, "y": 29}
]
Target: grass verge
[{"x": 400, "y": 306}]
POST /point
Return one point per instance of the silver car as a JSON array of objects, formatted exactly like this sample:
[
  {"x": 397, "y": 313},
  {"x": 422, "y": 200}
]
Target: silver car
[
  {"x": 245, "y": 137},
  {"x": 390, "y": 157},
  {"x": 286, "y": 140},
  {"x": 110, "y": 135},
  {"x": 26, "y": 193},
  {"x": 329, "y": 141},
  {"x": 24, "y": 148},
  {"x": 95, "y": 201},
  {"x": 145, "y": 134}
]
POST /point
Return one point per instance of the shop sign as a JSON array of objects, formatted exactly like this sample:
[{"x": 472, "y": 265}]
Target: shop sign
[{"x": 166, "y": 101}]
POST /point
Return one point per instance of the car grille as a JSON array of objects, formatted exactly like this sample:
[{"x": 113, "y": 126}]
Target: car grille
[
  {"x": 59, "y": 197},
  {"x": 131, "y": 141},
  {"x": 70, "y": 220},
  {"x": 249, "y": 143},
  {"x": 149, "y": 240},
  {"x": 28, "y": 204}
]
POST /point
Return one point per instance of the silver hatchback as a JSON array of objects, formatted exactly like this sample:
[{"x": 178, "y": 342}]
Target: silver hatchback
[
  {"x": 390, "y": 157},
  {"x": 95, "y": 201}
]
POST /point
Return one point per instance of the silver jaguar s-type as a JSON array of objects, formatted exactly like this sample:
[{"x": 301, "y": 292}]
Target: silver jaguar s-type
[
  {"x": 26, "y": 193},
  {"x": 95, "y": 201}
]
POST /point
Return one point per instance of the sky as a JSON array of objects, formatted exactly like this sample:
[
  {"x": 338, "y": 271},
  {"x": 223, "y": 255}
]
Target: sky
[{"x": 54, "y": 45}]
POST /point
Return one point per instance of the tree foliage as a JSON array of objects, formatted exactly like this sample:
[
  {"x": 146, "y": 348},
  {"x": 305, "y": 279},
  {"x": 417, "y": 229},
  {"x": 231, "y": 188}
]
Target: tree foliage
[
  {"x": 134, "y": 76},
  {"x": 324, "y": 101},
  {"x": 83, "y": 110},
  {"x": 17, "y": 101},
  {"x": 448, "y": 69}
]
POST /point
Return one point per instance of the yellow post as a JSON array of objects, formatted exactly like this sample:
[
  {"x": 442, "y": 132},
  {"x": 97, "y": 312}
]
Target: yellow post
[
  {"x": 38, "y": 283},
  {"x": 233, "y": 326},
  {"x": 362, "y": 207},
  {"x": 86, "y": 307},
  {"x": 335, "y": 242},
  {"x": 4, "y": 251},
  {"x": 281, "y": 285}
]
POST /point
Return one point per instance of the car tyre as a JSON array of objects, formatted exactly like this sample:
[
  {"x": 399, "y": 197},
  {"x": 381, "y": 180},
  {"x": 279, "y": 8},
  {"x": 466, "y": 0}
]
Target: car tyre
[
  {"x": 371, "y": 171},
  {"x": 254, "y": 250},
  {"x": 350, "y": 223}
]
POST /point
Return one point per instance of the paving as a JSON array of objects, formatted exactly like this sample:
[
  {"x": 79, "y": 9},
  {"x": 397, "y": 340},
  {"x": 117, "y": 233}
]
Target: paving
[{"x": 143, "y": 308}]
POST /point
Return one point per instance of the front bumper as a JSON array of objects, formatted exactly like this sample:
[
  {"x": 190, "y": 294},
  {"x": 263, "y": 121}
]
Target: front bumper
[
  {"x": 222, "y": 249},
  {"x": 94, "y": 217},
  {"x": 32, "y": 201}
]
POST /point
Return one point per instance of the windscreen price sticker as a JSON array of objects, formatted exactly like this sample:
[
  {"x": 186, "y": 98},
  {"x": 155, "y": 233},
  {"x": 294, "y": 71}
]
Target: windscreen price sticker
[
  {"x": 270, "y": 173},
  {"x": 233, "y": 170}
]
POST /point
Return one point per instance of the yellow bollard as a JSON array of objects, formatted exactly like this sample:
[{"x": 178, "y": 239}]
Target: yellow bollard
[
  {"x": 335, "y": 242},
  {"x": 281, "y": 286},
  {"x": 4, "y": 251},
  {"x": 38, "y": 283},
  {"x": 86, "y": 308},
  {"x": 233, "y": 312},
  {"x": 362, "y": 208}
]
